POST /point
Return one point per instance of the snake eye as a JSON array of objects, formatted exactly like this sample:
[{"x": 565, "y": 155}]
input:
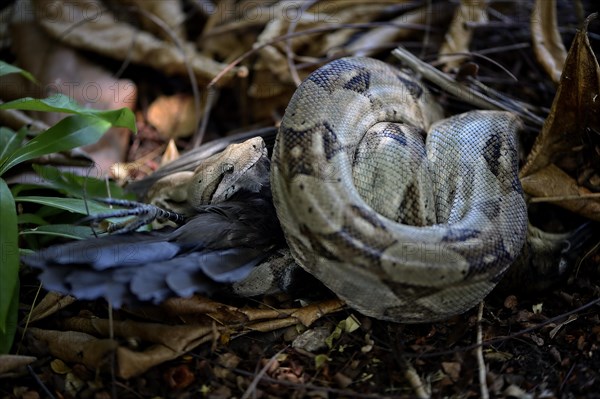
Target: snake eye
[{"x": 228, "y": 168}]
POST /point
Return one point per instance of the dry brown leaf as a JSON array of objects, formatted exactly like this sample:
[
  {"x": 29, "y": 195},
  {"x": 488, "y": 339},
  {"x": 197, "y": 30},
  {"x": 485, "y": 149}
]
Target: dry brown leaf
[
  {"x": 228, "y": 32},
  {"x": 458, "y": 37},
  {"x": 73, "y": 346},
  {"x": 357, "y": 13},
  {"x": 173, "y": 116},
  {"x": 171, "y": 153},
  {"x": 178, "y": 338},
  {"x": 564, "y": 139},
  {"x": 371, "y": 41},
  {"x": 12, "y": 363},
  {"x": 321, "y": 15},
  {"x": 101, "y": 32},
  {"x": 94, "y": 353},
  {"x": 169, "y": 341},
  {"x": 51, "y": 303},
  {"x": 547, "y": 43},
  {"x": 311, "y": 313},
  {"x": 452, "y": 370},
  {"x": 554, "y": 184},
  {"x": 575, "y": 108},
  {"x": 132, "y": 363}
]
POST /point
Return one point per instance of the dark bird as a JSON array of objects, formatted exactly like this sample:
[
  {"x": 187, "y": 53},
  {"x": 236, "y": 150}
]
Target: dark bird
[{"x": 217, "y": 243}]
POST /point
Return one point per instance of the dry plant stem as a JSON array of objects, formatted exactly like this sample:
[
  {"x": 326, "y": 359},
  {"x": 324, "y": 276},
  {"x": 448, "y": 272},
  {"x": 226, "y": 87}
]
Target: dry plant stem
[
  {"x": 211, "y": 98},
  {"x": 414, "y": 380},
  {"x": 547, "y": 42},
  {"x": 288, "y": 44},
  {"x": 464, "y": 93},
  {"x": 485, "y": 394},
  {"x": 314, "y": 31},
  {"x": 29, "y": 317},
  {"x": 40, "y": 383},
  {"x": 188, "y": 66},
  {"x": 16, "y": 119},
  {"x": 565, "y": 198}
]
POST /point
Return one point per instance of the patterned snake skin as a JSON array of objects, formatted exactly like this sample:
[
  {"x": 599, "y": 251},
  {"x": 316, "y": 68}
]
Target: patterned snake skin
[{"x": 400, "y": 227}]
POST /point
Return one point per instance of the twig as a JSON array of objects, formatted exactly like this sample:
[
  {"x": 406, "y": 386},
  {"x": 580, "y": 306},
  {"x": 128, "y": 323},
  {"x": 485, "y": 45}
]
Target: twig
[
  {"x": 505, "y": 337},
  {"x": 313, "y": 31},
  {"x": 485, "y": 394},
  {"x": 414, "y": 380},
  {"x": 288, "y": 43},
  {"x": 565, "y": 198},
  {"x": 252, "y": 387},
  {"x": 40, "y": 383},
  {"x": 465, "y": 93},
  {"x": 211, "y": 99}
]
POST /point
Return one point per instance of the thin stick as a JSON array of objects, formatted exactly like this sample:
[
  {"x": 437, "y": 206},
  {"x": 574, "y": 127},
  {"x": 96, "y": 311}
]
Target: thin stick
[
  {"x": 485, "y": 394},
  {"x": 414, "y": 380},
  {"x": 252, "y": 387},
  {"x": 463, "y": 92},
  {"x": 565, "y": 198}
]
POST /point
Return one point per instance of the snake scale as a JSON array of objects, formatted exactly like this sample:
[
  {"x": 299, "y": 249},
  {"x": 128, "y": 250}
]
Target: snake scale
[{"x": 399, "y": 226}]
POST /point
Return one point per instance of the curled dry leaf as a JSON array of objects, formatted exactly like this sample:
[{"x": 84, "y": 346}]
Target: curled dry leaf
[
  {"x": 173, "y": 116},
  {"x": 371, "y": 41},
  {"x": 321, "y": 15},
  {"x": 548, "y": 47},
  {"x": 73, "y": 346},
  {"x": 554, "y": 185},
  {"x": 167, "y": 341},
  {"x": 71, "y": 23},
  {"x": 10, "y": 363},
  {"x": 564, "y": 142},
  {"x": 51, "y": 303},
  {"x": 171, "y": 153},
  {"x": 179, "y": 339},
  {"x": 452, "y": 370},
  {"x": 459, "y": 35}
]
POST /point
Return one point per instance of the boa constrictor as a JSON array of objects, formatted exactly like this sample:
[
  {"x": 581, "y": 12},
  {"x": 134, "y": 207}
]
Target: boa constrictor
[{"x": 400, "y": 227}]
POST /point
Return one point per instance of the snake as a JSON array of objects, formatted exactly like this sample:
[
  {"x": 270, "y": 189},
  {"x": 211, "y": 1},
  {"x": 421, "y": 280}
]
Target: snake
[{"x": 405, "y": 215}]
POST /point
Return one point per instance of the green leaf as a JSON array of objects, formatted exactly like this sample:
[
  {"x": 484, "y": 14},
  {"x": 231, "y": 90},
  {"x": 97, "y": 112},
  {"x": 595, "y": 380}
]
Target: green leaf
[
  {"x": 6, "y": 69},
  {"x": 122, "y": 117},
  {"x": 31, "y": 218},
  {"x": 9, "y": 255},
  {"x": 79, "y": 186},
  {"x": 71, "y": 132},
  {"x": 10, "y": 141},
  {"x": 348, "y": 325},
  {"x": 74, "y": 205},
  {"x": 7, "y": 337},
  {"x": 321, "y": 360},
  {"x": 62, "y": 230}
]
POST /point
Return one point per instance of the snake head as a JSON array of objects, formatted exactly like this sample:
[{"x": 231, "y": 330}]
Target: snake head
[
  {"x": 243, "y": 166},
  {"x": 240, "y": 167}
]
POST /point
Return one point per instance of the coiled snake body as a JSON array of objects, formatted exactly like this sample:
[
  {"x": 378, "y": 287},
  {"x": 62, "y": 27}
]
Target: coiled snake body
[{"x": 400, "y": 227}]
